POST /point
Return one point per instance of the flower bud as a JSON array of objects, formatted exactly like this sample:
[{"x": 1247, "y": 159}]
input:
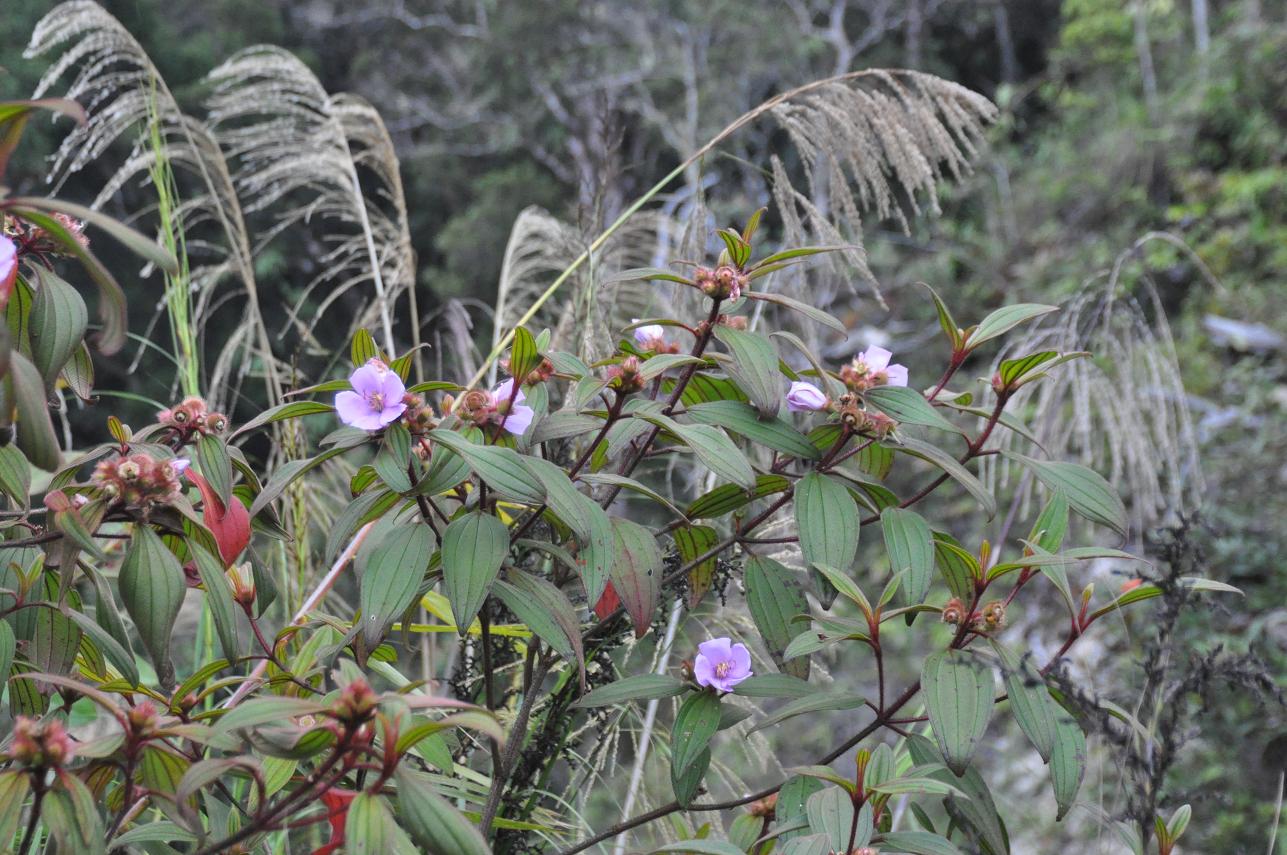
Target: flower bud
[
  {"x": 625, "y": 377},
  {"x": 40, "y": 745},
  {"x": 356, "y": 703},
  {"x": 737, "y": 322},
  {"x": 805, "y": 397},
  {"x": 992, "y": 617},
  {"x": 954, "y": 612},
  {"x": 216, "y": 423},
  {"x": 143, "y": 719},
  {"x": 765, "y": 807},
  {"x": 242, "y": 580}
]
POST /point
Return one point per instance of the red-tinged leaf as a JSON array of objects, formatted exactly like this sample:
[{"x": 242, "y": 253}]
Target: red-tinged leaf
[
  {"x": 337, "y": 811},
  {"x": 608, "y": 603},
  {"x": 636, "y": 572}
]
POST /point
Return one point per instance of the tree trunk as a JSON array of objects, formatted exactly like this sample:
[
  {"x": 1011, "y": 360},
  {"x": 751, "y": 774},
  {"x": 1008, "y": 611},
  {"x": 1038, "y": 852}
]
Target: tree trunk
[{"x": 1005, "y": 43}]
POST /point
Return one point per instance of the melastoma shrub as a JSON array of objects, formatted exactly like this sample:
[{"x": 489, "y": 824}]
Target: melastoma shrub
[{"x": 499, "y": 508}]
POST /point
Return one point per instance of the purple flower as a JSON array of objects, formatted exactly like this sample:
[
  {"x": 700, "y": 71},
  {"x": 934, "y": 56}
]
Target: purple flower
[
  {"x": 877, "y": 361},
  {"x": 180, "y": 465},
  {"x": 518, "y": 417},
  {"x": 721, "y": 664},
  {"x": 8, "y": 263},
  {"x": 649, "y": 334},
  {"x": 805, "y": 398},
  {"x": 376, "y": 399}
]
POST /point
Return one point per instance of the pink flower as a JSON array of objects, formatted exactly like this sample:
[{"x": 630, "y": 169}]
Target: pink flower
[
  {"x": 877, "y": 361},
  {"x": 805, "y": 398},
  {"x": 721, "y": 664},
  {"x": 180, "y": 465},
  {"x": 376, "y": 399},
  {"x": 515, "y": 416}
]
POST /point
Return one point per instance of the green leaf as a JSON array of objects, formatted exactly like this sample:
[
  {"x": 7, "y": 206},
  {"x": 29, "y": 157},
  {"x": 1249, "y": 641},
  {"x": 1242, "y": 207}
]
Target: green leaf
[
  {"x": 474, "y": 547},
  {"x": 792, "y": 799},
  {"x": 1029, "y": 700},
  {"x": 631, "y": 484},
  {"x": 910, "y": 545},
  {"x": 976, "y": 810},
  {"x": 219, "y": 599},
  {"x": 820, "y": 702},
  {"x": 945, "y": 319},
  {"x": 363, "y": 348},
  {"x": 917, "y": 843},
  {"x": 694, "y": 541},
  {"x": 645, "y": 687},
  {"x": 959, "y": 693},
  {"x": 774, "y": 597},
  {"x": 15, "y": 474},
  {"x": 831, "y": 813},
  {"x": 1003, "y": 320},
  {"x": 1067, "y": 763},
  {"x": 266, "y": 710},
  {"x": 712, "y": 447},
  {"x": 774, "y": 686},
  {"x": 431, "y": 820},
  {"x": 1012, "y": 370},
  {"x": 700, "y": 847},
  {"x": 743, "y": 420},
  {"x": 727, "y": 498},
  {"x": 56, "y": 325},
  {"x": 754, "y": 368},
  {"x": 810, "y": 312},
  {"x": 370, "y": 828},
  {"x": 563, "y": 424},
  {"x": 282, "y": 412},
  {"x": 690, "y": 736},
  {"x": 391, "y": 575},
  {"x": 1086, "y": 490},
  {"x": 8, "y": 647},
  {"x": 119, "y": 656},
  {"x": 287, "y": 474},
  {"x": 1051, "y": 526},
  {"x": 827, "y": 519},
  {"x": 548, "y": 613},
  {"x": 644, "y": 273},
  {"x": 502, "y": 468},
  {"x": 524, "y": 355},
  {"x": 212, "y": 459},
  {"x": 907, "y": 406},
  {"x": 949, "y": 464},
  {"x": 636, "y": 572},
  {"x": 152, "y": 588},
  {"x": 24, "y": 390}
]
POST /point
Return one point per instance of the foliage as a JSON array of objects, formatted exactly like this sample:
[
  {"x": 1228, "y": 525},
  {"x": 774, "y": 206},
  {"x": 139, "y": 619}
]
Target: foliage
[{"x": 563, "y": 525}]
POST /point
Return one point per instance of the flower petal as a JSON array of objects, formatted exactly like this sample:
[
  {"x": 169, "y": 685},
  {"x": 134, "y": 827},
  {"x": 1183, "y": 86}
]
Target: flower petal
[
  {"x": 703, "y": 671},
  {"x": 717, "y": 649},
  {"x": 351, "y": 408},
  {"x": 896, "y": 374},
  {"x": 500, "y": 395},
  {"x": 876, "y": 357},
  {"x": 366, "y": 380},
  {"x": 741, "y": 659},
  {"x": 392, "y": 387},
  {"x": 391, "y": 413},
  {"x": 519, "y": 419}
]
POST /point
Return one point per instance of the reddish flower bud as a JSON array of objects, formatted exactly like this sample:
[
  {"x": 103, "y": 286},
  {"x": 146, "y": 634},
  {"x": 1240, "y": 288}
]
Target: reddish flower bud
[
  {"x": 356, "y": 703},
  {"x": 954, "y": 612},
  {"x": 230, "y": 525},
  {"x": 765, "y": 807},
  {"x": 40, "y": 745}
]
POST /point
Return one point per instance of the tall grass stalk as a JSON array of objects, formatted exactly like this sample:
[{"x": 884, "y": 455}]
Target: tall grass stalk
[{"x": 178, "y": 297}]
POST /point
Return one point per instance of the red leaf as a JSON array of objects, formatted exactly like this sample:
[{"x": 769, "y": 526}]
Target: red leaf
[
  {"x": 337, "y": 813},
  {"x": 230, "y": 526},
  {"x": 608, "y": 603}
]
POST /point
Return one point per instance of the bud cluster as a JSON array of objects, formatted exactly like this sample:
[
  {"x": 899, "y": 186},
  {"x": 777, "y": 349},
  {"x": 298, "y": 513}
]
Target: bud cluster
[
  {"x": 869, "y": 422},
  {"x": 419, "y": 417},
  {"x": 40, "y": 745},
  {"x": 988, "y": 619},
  {"x": 36, "y": 239},
  {"x": 192, "y": 416},
  {"x": 356, "y": 703},
  {"x": 140, "y": 480},
  {"x": 725, "y": 282},
  {"x": 625, "y": 376},
  {"x": 144, "y": 720}
]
